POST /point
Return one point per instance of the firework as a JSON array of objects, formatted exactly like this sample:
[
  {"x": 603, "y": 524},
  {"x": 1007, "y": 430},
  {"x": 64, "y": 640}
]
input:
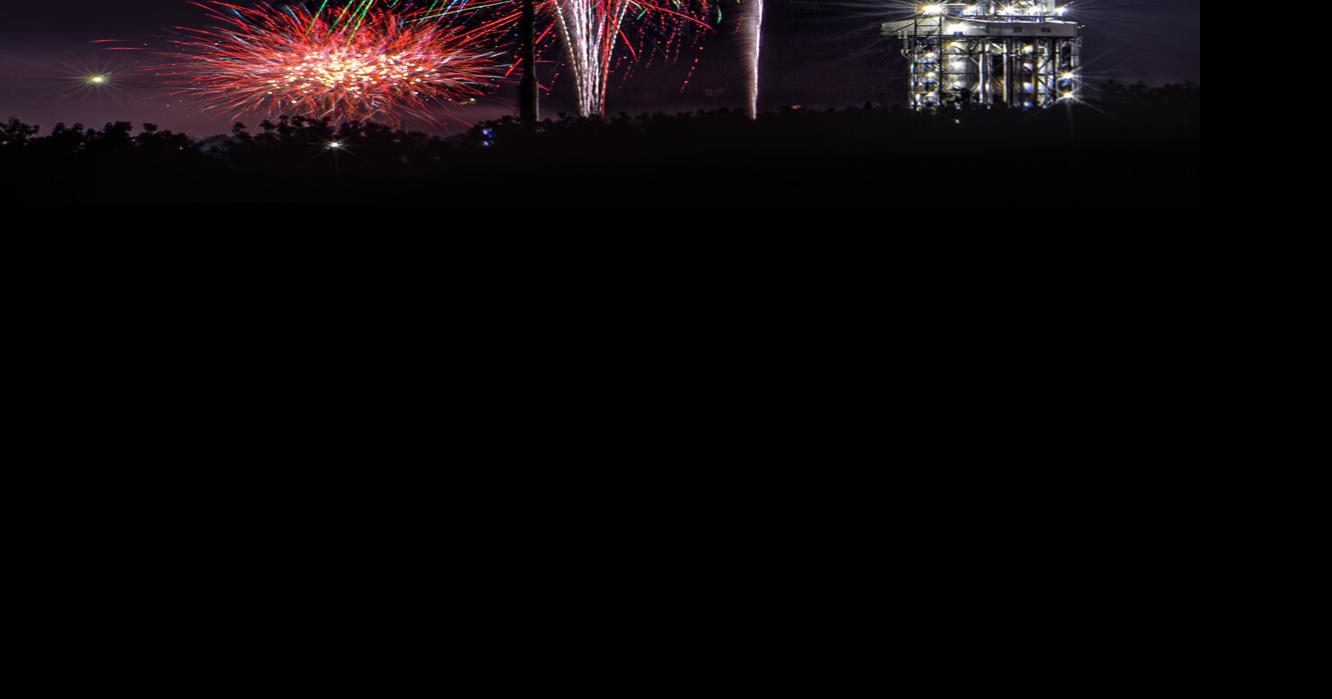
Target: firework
[
  {"x": 597, "y": 34},
  {"x": 752, "y": 37},
  {"x": 355, "y": 62},
  {"x": 592, "y": 30}
]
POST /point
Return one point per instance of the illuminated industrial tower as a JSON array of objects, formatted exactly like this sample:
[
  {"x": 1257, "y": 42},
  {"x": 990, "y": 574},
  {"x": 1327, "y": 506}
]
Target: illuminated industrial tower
[{"x": 1022, "y": 54}]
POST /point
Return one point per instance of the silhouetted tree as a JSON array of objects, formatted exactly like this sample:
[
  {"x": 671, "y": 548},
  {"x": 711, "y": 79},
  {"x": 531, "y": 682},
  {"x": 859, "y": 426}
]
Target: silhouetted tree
[{"x": 1137, "y": 144}]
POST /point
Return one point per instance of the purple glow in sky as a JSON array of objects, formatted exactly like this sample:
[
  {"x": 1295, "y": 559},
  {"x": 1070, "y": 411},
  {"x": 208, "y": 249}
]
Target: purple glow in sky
[{"x": 818, "y": 52}]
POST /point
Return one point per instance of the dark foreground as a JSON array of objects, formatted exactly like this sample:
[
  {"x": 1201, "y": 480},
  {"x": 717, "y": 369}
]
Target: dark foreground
[{"x": 1130, "y": 145}]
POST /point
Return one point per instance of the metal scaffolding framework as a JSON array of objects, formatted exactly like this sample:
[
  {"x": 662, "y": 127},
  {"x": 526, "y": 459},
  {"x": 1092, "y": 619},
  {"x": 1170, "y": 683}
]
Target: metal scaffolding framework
[{"x": 984, "y": 53}]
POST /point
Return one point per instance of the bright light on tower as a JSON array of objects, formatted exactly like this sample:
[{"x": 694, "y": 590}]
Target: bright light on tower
[{"x": 984, "y": 53}]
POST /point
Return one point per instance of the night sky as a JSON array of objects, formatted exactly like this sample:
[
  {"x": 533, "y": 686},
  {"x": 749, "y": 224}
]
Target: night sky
[{"x": 818, "y": 53}]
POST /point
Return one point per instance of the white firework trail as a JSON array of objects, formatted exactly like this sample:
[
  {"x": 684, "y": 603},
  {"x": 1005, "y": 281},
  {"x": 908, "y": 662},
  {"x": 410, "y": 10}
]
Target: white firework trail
[
  {"x": 591, "y": 30},
  {"x": 752, "y": 28}
]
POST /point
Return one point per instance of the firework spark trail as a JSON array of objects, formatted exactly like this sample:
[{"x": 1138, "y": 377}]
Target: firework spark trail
[
  {"x": 592, "y": 30},
  {"x": 349, "y": 62},
  {"x": 752, "y": 27}
]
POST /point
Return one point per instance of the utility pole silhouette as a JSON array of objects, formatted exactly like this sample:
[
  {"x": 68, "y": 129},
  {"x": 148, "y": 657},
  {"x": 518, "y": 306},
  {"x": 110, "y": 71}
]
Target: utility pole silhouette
[{"x": 530, "y": 99}]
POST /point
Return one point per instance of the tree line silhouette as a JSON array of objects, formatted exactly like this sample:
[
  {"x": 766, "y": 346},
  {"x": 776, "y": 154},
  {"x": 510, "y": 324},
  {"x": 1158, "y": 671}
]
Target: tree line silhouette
[{"x": 1130, "y": 143}]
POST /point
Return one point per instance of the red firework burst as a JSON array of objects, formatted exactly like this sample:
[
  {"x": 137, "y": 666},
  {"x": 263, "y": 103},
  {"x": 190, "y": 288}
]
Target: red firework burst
[{"x": 377, "y": 65}]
